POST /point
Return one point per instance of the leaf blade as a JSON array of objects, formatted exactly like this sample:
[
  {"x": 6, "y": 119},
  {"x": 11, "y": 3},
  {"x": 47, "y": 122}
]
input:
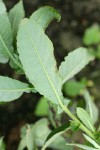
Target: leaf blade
[
  {"x": 6, "y": 39},
  {"x": 30, "y": 141},
  {"x": 92, "y": 141},
  {"x": 11, "y": 89},
  {"x": 45, "y": 15},
  {"x": 44, "y": 76},
  {"x": 92, "y": 35},
  {"x": 90, "y": 106},
  {"x": 85, "y": 147},
  {"x": 16, "y": 14},
  {"x": 85, "y": 118},
  {"x": 54, "y": 137},
  {"x": 55, "y": 134},
  {"x": 42, "y": 107},
  {"x": 74, "y": 62},
  {"x": 2, "y": 144}
]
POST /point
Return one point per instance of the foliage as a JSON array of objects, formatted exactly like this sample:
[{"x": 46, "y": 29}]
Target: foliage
[
  {"x": 34, "y": 57},
  {"x": 91, "y": 39}
]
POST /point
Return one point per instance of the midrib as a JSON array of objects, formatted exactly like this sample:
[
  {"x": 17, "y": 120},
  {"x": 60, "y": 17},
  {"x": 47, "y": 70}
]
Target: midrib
[
  {"x": 14, "y": 90},
  {"x": 46, "y": 73}
]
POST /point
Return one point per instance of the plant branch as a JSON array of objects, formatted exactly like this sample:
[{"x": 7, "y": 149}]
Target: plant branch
[{"x": 82, "y": 127}]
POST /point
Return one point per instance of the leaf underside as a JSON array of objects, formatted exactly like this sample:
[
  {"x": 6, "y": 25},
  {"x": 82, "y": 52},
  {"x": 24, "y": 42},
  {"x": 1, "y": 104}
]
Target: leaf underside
[
  {"x": 85, "y": 118},
  {"x": 44, "y": 15},
  {"x": 11, "y": 89},
  {"x": 16, "y": 14},
  {"x": 33, "y": 43},
  {"x": 5, "y": 35},
  {"x": 74, "y": 63}
]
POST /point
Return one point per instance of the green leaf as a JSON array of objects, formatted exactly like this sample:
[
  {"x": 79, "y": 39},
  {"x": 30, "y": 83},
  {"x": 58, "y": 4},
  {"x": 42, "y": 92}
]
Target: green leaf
[
  {"x": 15, "y": 66},
  {"x": 74, "y": 63},
  {"x": 11, "y": 89},
  {"x": 2, "y": 145},
  {"x": 43, "y": 125},
  {"x": 56, "y": 130},
  {"x": 22, "y": 144},
  {"x": 30, "y": 141},
  {"x": 36, "y": 46},
  {"x": 85, "y": 118},
  {"x": 16, "y": 14},
  {"x": 60, "y": 142},
  {"x": 82, "y": 146},
  {"x": 45, "y": 15},
  {"x": 91, "y": 107},
  {"x": 92, "y": 35},
  {"x": 52, "y": 139},
  {"x": 42, "y": 107},
  {"x": 92, "y": 141},
  {"x": 6, "y": 38},
  {"x": 40, "y": 137},
  {"x": 73, "y": 88},
  {"x": 27, "y": 139}
]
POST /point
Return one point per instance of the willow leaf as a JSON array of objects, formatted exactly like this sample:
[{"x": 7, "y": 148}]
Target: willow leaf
[
  {"x": 11, "y": 89},
  {"x": 27, "y": 139},
  {"x": 6, "y": 37},
  {"x": 40, "y": 65},
  {"x": 45, "y": 15},
  {"x": 85, "y": 147},
  {"x": 91, "y": 141},
  {"x": 2, "y": 144},
  {"x": 85, "y": 118},
  {"x": 16, "y": 14},
  {"x": 91, "y": 107},
  {"x": 30, "y": 141},
  {"x": 53, "y": 138},
  {"x": 74, "y": 63}
]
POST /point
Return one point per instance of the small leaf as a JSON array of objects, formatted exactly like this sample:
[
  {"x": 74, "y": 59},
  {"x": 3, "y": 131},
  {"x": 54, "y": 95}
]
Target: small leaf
[
  {"x": 22, "y": 144},
  {"x": 74, "y": 63},
  {"x": 92, "y": 141},
  {"x": 30, "y": 140},
  {"x": 91, "y": 107},
  {"x": 42, "y": 107},
  {"x": 73, "y": 88},
  {"x": 6, "y": 38},
  {"x": 27, "y": 139},
  {"x": 41, "y": 125},
  {"x": 45, "y": 15},
  {"x": 33, "y": 43},
  {"x": 11, "y": 89},
  {"x": 85, "y": 118},
  {"x": 63, "y": 127},
  {"x": 16, "y": 14},
  {"x": 53, "y": 138},
  {"x": 92, "y": 35},
  {"x": 16, "y": 67},
  {"x": 2, "y": 145},
  {"x": 40, "y": 137},
  {"x": 82, "y": 146}
]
